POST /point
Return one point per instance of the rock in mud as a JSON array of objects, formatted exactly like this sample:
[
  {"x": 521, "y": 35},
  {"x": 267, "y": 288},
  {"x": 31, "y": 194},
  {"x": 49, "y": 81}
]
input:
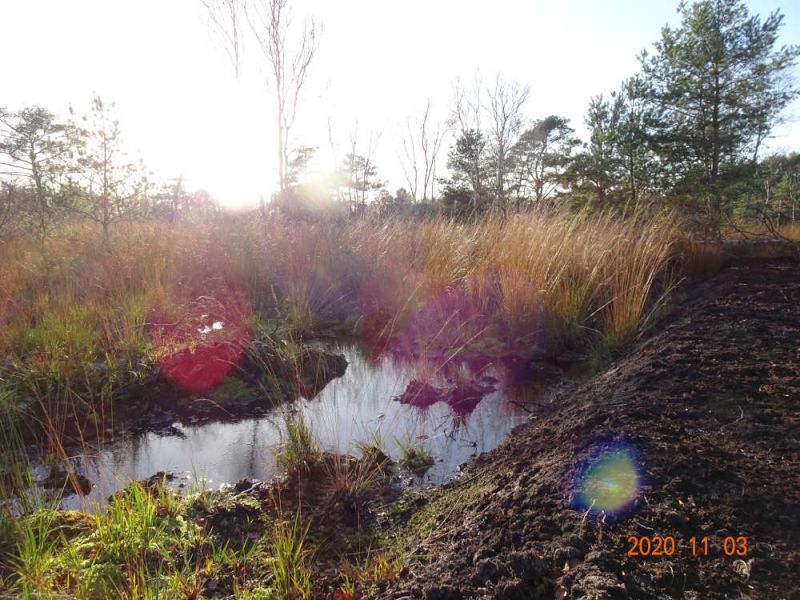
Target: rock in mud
[
  {"x": 317, "y": 368},
  {"x": 71, "y": 483},
  {"x": 420, "y": 394},
  {"x": 464, "y": 398}
]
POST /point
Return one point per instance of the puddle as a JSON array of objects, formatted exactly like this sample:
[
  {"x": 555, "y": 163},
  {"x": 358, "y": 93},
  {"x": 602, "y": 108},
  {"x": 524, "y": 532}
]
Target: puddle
[{"x": 349, "y": 410}]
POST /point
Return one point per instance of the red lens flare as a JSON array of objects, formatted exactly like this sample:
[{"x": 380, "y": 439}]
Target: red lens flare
[{"x": 200, "y": 341}]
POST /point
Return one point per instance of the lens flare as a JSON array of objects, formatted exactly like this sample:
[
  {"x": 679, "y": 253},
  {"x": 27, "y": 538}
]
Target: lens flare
[
  {"x": 608, "y": 482},
  {"x": 202, "y": 333}
]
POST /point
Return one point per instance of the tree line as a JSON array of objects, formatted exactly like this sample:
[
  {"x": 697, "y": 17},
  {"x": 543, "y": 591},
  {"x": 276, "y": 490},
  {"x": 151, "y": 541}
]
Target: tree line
[
  {"x": 57, "y": 169},
  {"x": 687, "y": 131}
]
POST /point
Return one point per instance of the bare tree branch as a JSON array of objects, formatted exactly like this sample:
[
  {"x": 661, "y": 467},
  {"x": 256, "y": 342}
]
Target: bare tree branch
[
  {"x": 288, "y": 51},
  {"x": 271, "y": 26},
  {"x": 226, "y": 17},
  {"x": 505, "y": 105},
  {"x": 421, "y": 145}
]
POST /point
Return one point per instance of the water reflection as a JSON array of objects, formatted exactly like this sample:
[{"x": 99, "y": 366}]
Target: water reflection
[{"x": 357, "y": 407}]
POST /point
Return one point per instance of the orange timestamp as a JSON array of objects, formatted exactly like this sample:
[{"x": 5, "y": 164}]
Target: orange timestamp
[{"x": 667, "y": 545}]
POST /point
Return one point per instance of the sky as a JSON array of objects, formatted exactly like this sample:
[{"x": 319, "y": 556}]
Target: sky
[{"x": 182, "y": 109}]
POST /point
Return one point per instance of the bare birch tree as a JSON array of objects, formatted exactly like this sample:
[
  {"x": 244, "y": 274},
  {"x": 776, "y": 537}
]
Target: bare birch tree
[
  {"x": 409, "y": 161},
  {"x": 272, "y": 26},
  {"x": 466, "y": 120},
  {"x": 288, "y": 50},
  {"x": 358, "y": 173},
  {"x": 421, "y": 145},
  {"x": 505, "y": 111},
  {"x": 226, "y": 21}
]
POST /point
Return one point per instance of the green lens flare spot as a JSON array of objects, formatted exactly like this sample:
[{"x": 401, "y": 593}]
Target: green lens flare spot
[{"x": 609, "y": 483}]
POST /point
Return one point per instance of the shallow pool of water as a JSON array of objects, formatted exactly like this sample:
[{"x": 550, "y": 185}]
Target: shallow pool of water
[{"x": 354, "y": 408}]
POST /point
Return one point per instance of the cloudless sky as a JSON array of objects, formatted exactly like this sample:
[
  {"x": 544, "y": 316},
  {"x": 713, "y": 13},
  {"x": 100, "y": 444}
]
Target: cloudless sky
[{"x": 184, "y": 112}]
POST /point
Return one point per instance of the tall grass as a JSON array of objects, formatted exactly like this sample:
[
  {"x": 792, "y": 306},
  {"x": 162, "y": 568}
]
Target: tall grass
[
  {"x": 791, "y": 231},
  {"x": 138, "y": 546},
  {"x": 632, "y": 273},
  {"x": 290, "y": 561},
  {"x": 75, "y": 336}
]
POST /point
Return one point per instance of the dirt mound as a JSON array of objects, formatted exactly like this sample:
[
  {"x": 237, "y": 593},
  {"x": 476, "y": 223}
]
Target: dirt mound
[
  {"x": 462, "y": 397},
  {"x": 705, "y": 417}
]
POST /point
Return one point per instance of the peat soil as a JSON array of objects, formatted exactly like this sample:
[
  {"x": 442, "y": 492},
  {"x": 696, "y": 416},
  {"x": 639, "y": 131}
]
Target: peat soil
[{"x": 710, "y": 404}]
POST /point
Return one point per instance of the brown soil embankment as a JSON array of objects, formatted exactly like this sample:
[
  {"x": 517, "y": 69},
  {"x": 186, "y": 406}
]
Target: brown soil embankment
[{"x": 709, "y": 409}]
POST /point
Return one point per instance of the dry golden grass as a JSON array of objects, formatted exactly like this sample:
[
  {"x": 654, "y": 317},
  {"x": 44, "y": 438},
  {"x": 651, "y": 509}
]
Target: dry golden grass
[
  {"x": 791, "y": 231},
  {"x": 760, "y": 231},
  {"x": 535, "y": 280}
]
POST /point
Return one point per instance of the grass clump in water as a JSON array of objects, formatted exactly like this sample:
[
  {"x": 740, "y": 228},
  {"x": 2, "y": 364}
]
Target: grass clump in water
[
  {"x": 299, "y": 452},
  {"x": 414, "y": 457}
]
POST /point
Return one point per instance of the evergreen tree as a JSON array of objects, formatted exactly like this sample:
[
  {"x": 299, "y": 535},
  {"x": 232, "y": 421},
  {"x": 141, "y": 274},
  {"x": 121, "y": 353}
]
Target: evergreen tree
[
  {"x": 541, "y": 157},
  {"x": 717, "y": 85},
  {"x": 38, "y": 150},
  {"x": 114, "y": 187},
  {"x": 596, "y": 172}
]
